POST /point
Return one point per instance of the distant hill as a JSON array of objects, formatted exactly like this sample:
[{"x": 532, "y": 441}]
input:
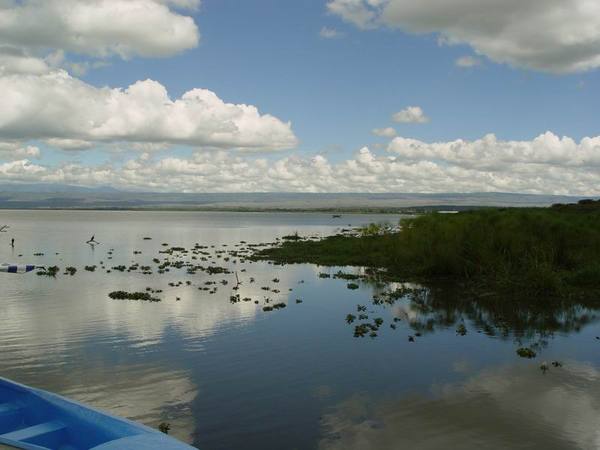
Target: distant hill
[
  {"x": 50, "y": 188},
  {"x": 58, "y": 196}
]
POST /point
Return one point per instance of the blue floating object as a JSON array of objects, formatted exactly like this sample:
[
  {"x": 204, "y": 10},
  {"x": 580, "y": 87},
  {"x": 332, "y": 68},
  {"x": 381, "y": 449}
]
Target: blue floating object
[
  {"x": 32, "y": 419},
  {"x": 16, "y": 268}
]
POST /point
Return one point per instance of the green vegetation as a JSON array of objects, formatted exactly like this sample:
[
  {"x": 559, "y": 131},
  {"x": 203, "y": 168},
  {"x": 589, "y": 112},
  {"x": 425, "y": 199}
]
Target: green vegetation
[
  {"x": 49, "y": 271},
  {"x": 346, "y": 276},
  {"x": 372, "y": 229},
  {"x": 292, "y": 237},
  {"x": 535, "y": 250}
]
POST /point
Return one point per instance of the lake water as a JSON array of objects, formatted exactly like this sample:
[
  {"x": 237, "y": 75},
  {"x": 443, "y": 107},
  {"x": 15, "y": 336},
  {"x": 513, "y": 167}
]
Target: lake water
[{"x": 231, "y": 376}]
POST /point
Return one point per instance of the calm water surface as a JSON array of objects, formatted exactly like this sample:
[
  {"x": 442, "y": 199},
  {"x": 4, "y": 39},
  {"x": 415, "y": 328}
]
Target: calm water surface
[{"x": 230, "y": 376}]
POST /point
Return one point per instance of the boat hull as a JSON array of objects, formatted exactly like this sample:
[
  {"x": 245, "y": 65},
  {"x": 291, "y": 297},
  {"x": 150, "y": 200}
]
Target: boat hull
[{"x": 33, "y": 419}]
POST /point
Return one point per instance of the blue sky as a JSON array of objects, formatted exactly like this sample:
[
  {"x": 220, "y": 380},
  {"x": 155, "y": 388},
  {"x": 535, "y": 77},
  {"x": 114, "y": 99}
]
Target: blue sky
[
  {"x": 336, "y": 90},
  {"x": 269, "y": 53}
]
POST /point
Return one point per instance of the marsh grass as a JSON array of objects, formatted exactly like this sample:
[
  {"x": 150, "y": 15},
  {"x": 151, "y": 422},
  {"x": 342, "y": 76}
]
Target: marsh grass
[{"x": 534, "y": 250}]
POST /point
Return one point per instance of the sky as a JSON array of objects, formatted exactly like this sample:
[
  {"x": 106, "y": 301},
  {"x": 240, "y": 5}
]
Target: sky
[{"x": 307, "y": 96}]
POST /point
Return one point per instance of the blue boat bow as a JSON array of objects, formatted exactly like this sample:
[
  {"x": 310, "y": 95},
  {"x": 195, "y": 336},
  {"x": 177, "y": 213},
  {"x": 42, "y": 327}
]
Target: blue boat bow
[{"x": 32, "y": 419}]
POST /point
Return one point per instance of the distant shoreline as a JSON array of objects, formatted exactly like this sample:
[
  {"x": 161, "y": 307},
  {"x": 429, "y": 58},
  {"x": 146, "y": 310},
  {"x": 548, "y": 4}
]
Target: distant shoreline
[
  {"x": 358, "y": 210},
  {"x": 341, "y": 203}
]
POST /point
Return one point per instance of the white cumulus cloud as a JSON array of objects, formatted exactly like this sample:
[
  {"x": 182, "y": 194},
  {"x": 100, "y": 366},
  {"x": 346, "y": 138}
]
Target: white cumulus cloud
[
  {"x": 17, "y": 61},
  {"x": 100, "y": 28},
  {"x": 56, "y": 106},
  {"x": 362, "y": 13},
  {"x": 330, "y": 33},
  {"x": 467, "y": 61},
  {"x": 18, "y": 151},
  {"x": 558, "y": 36},
  {"x": 411, "y": 114},
  {"x": 547, "y": 164},
  {"x": 388, "y": 132},
  {"x": 41, "y": 101},
  {"x": 490, "y": 153}
]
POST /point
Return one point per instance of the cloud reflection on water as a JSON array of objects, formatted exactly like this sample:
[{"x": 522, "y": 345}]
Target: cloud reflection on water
[{"x": 514, "y": 407}]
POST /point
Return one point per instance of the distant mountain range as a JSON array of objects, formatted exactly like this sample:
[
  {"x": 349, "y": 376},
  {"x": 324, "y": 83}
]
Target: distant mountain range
[
  {"x": 50, "y": 188},
  {"x": 60, "y": 196}
]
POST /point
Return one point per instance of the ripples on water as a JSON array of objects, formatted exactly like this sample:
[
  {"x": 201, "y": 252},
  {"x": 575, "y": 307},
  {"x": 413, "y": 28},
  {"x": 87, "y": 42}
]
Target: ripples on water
[{"x": 229, "y": 376}]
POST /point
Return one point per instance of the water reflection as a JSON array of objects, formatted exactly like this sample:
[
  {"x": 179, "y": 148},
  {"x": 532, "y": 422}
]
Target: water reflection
[
  {"x": 498, "y": 315},
  {"x": 140, "y": 394},
  {"x": 523, "y": 320},
  {"x": 229, "y": 375},
  {"x": 513, "y": 407}
]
